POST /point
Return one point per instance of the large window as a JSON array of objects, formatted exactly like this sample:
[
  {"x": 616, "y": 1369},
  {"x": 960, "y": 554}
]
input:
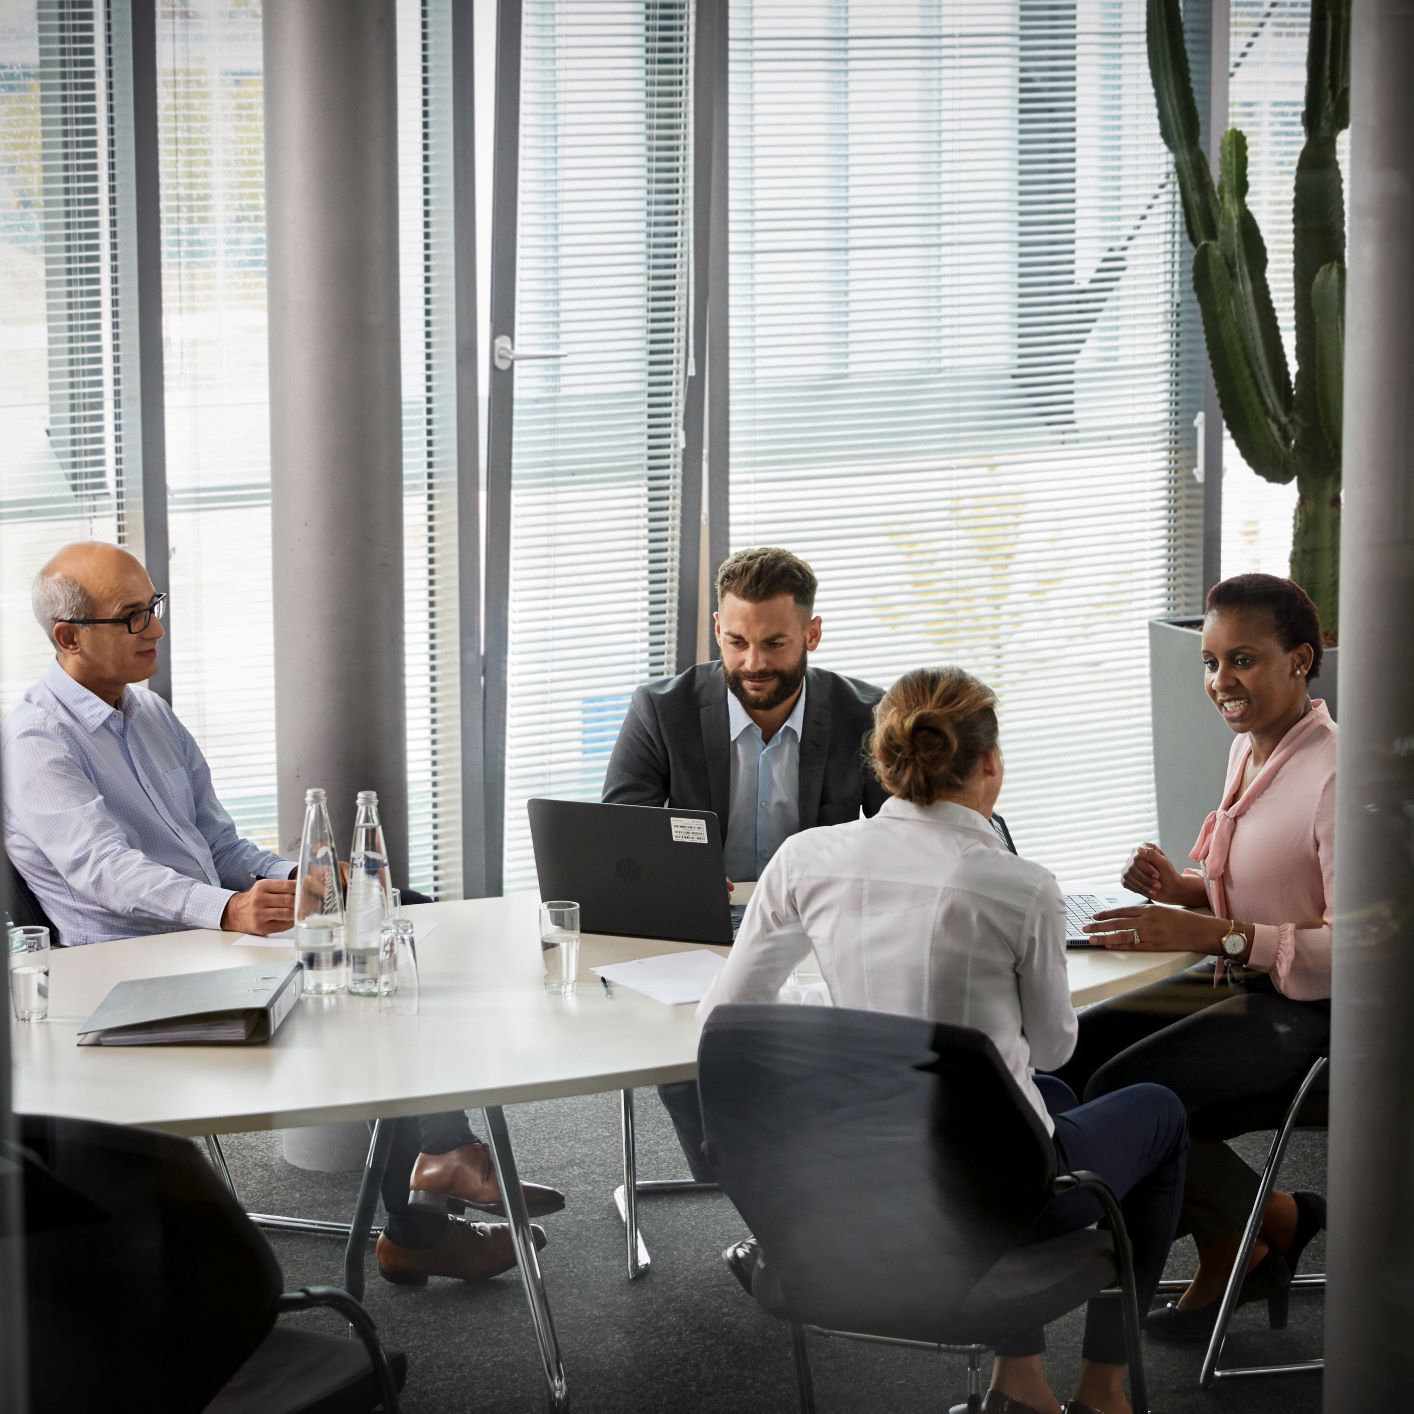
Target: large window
[
  {"x": 61, "y": 374},
  {"x": 952, "y": 374},
  {"x": 1266, "y": 90},
  {"x": 67, "y": 315},
  {"x": 602, "y": 261}
]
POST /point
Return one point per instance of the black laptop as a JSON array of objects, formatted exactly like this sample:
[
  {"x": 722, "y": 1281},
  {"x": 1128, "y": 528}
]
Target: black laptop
[
  {"x": 1079, "y": 908},
  {"x": 642, "y": 871}
]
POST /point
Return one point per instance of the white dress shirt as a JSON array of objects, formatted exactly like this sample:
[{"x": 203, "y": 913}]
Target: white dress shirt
[
  {"x": 921, "y": 911},
  {"x": 111, "y": 818},
  {"x": 765, "y": 798}
]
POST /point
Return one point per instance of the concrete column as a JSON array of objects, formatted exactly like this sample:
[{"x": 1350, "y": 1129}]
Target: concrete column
[
  {"x": 335, "y": 410},
  {"x": 1369, "y": 1304}
]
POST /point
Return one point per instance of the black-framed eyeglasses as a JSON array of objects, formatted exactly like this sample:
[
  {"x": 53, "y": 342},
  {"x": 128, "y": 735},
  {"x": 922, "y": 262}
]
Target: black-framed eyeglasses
[{"x": 136, "y": 622}]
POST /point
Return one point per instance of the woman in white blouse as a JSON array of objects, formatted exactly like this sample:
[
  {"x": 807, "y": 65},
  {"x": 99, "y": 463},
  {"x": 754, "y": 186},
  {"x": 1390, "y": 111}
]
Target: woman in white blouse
[{"x": 921, "y": 910}]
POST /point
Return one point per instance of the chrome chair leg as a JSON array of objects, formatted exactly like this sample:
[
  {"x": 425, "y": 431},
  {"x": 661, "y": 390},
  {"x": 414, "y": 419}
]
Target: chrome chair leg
[
  {"x": 276, "y": 1222},
  {"x": 626, "y": 1195},
  {"x": 532, "y": 1283},
  {"x": 367, "y": 1204},
  {"x": 217, "y": 1156},
  {"x": 803, "y": 1383},
  {"x": 975, "y": 1391},
  {"x": 1211, "y": 1370}
]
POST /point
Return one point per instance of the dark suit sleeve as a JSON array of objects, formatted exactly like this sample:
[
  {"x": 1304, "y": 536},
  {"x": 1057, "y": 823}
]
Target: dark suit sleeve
[
  {"x": 638, "y": 769},
  {"x": 871, "y": 788}
]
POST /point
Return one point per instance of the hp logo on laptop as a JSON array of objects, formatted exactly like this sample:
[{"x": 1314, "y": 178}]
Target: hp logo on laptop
[{"x": 629, "y": 869}]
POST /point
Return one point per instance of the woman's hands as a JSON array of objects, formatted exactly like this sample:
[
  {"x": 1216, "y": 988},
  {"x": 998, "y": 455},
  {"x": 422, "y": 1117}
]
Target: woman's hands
[
  {"x": 1140, "y": 928},
  {"x": 1149, "y": 871}
]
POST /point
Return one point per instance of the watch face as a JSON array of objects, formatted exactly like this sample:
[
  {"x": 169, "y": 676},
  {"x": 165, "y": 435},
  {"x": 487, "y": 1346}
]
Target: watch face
[{"x": 1234, "y": 944}]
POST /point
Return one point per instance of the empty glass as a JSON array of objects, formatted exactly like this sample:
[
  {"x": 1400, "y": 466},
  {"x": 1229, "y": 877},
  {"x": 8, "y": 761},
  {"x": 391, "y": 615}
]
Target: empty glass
[
  {"x": 559, "y": 945},
  {"x": 397, "y": 967},
  {"x": 29, "y": 973}
]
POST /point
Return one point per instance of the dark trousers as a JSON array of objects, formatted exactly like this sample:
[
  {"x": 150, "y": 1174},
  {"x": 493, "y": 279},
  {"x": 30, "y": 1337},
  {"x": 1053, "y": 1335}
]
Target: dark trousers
[
  {"x": 1234, "y": 1053},
  {"x": 1136, "y": 1140},
  {"x": 684, "y": 1108},
  {"x": 422, "y": 1134}
]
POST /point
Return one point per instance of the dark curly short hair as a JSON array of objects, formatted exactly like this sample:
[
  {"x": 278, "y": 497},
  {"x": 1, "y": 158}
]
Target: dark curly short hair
[{"x": 1294, "y": 615}]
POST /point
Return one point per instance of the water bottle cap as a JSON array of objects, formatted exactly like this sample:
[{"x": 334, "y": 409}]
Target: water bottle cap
[
  {"x": 314, "y": 796},
  {"x": 367, "y": 797}
]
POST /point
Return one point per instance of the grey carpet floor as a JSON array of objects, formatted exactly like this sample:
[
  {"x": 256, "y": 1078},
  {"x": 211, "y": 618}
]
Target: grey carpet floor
[{"x": 684, "y": 1336}]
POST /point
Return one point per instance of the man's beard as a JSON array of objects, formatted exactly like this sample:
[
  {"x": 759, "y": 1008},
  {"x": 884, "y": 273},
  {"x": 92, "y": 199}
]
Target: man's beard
[{"x": 781, "y": 690}]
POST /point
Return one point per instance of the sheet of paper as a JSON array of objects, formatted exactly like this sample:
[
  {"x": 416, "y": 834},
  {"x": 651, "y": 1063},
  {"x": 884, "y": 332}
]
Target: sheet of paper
[
  {"x": 287, "y": 939},
  {"x": 674, "y": 978}
]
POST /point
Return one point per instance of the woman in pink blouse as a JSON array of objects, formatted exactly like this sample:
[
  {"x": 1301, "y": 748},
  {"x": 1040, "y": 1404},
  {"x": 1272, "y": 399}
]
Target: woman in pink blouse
[{"x": 1248, "y": 1025}]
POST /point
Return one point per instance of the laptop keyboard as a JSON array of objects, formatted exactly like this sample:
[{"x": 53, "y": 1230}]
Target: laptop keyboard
[{"x": 1079, "y": 910}]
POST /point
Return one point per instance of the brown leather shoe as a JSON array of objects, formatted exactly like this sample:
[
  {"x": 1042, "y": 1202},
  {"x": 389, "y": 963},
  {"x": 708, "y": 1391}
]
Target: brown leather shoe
[
  {"x": 468, "y": 1175},
  {"x": 468, "y": 1251}
]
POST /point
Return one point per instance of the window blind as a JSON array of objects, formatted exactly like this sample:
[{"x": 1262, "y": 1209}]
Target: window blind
[
  {"x": 953, "y": 369},
  {"x": 60, "y": 305},
  {"x": 426, "y": 243},
  {"x": 212, "y": 173},
  {"x": 1266, "y": 92},
  {"x": 602, "y": 266}
]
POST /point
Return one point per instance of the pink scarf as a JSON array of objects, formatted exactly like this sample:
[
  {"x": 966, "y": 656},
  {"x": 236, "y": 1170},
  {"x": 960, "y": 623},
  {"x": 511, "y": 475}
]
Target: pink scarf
[{"x": 1215, "y": 838}]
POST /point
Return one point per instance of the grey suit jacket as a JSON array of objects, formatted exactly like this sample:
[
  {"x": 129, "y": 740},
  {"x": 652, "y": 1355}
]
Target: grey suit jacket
[{"x": 674, "y": 748}]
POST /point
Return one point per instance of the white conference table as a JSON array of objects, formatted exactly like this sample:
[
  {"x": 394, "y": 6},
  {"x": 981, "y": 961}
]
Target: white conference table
[{"x": 485, "y": 1035}]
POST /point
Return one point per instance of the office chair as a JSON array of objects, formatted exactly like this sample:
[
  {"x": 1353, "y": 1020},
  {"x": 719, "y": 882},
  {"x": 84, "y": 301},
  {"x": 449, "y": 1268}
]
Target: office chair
[
  {"x": 147, "y": 1289},
  {"x": 24, "y": 909},
  {"x": 1306, "y": 1109},
  {"x": 890, "y": 1168}
]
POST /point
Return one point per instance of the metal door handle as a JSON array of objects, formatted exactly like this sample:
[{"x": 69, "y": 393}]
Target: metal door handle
[{"x": 503, "y": 353}]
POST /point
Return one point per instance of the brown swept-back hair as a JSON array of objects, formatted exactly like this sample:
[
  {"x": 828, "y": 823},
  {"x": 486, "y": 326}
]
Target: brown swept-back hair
[
  {"x": 766, "y": 572},
  {"x": 930, "y": 730}
]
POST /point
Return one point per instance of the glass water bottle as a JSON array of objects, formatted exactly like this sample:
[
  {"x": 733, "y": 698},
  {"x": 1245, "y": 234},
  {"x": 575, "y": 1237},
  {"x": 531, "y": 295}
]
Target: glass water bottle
[
  {"x": 370, "y": 898},
  {"x": 319, "y": 907}
]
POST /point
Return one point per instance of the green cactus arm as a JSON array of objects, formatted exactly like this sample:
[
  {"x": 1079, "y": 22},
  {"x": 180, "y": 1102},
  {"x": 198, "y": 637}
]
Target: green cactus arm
[
  {"x": 1245, "y": 252},
  {"x": 1243, "y": 408},
  {"x": 1178, "y": 118},
  {"x": 1318, "y": 239},
  {"x": 1328, "y": 302},
  {"x": 1327, "y": 110}
]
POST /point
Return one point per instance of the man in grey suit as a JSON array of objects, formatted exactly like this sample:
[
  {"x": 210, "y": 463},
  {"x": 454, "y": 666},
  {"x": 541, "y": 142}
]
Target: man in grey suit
[{"x": 770, "y": 744}]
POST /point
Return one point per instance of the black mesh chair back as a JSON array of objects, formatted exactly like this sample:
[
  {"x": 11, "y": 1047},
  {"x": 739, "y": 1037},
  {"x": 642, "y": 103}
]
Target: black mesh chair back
[
  {"x": 147, "y": 1290},
  {"x": 19, "y": 900},
  {"x": 885, "y": 1164}
]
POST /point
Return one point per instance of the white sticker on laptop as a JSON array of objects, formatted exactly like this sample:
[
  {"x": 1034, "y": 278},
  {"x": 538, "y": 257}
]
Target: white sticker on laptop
[{"x": 688, "y": 831}]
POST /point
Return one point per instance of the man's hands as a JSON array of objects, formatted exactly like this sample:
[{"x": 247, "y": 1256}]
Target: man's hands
[
  {"x": 1149, "y": 871},
  {"x": 268, "y": 906}
]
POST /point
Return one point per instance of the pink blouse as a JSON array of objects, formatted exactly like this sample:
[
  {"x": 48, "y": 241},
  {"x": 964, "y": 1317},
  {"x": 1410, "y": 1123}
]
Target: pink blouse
[{"x": 1269, "y": 858}]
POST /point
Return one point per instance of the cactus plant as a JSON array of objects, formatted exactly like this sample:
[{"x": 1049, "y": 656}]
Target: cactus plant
[{"x": 1284, "y": 431}]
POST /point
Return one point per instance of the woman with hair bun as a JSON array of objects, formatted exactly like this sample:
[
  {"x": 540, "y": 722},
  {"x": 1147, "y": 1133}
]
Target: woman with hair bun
[
  {"x": 922, "y": 910},
  {"x": 1248, "y": 1026}
]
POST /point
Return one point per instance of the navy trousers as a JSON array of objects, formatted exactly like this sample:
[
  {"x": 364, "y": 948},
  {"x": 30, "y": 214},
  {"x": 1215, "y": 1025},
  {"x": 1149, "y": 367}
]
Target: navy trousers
[{"x": 1136, "y": 1139}]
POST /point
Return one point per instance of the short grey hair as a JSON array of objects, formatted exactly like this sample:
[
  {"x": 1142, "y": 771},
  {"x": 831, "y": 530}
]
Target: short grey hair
[{"x": 57, "y": 599}]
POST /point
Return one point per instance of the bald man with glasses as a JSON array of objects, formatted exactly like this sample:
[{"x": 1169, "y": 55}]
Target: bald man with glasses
[
  {"x": 111, "y": 818},
  {"x": 110, "y": 815}
]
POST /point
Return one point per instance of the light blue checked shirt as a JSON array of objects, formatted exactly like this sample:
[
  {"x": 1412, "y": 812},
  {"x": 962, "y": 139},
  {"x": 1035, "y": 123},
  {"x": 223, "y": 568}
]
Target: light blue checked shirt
[
  {"x": 111, "y": 818},
  {"x": 765, "y": 798}
]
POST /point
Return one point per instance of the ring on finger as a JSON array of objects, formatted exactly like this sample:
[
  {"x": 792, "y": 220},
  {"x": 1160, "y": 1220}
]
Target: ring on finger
[{"x": 1134, "y": 937}]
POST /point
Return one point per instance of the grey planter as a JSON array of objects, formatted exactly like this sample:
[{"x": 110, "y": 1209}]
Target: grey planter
[{"x": 1191, "y": 742}]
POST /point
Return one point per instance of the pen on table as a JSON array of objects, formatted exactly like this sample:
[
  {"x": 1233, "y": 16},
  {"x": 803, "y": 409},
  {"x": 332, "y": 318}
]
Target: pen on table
[{"x": 608, "y": 990}]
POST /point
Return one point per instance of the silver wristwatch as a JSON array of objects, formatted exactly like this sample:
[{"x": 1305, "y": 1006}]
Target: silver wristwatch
[{"x": 1234, "y": 941}]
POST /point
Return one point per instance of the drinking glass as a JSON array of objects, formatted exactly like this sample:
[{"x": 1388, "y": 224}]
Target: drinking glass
[
  {"x": 397, "y": 967},
  {"x": 559, "y": 945},
  {"x": 29, "y": 973}
]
